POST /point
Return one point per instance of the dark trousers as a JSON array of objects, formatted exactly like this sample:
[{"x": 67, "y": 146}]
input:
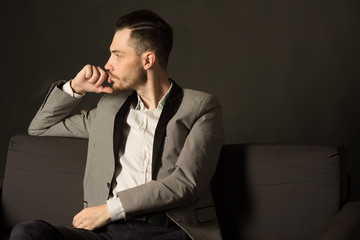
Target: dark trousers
[{"x": 120, "y": 230}]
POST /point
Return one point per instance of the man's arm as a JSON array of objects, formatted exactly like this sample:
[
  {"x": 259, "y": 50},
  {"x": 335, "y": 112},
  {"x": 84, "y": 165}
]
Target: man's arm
[{"x": 53, "y": 118}]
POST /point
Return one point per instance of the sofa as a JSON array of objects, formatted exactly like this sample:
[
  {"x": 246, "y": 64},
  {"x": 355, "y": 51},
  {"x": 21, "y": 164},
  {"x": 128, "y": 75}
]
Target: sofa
[{"x": 261, "y": 191}]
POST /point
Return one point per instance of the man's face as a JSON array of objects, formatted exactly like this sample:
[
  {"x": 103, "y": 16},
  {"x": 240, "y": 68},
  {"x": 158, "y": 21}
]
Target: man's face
[{"x": 125, "y": 68}]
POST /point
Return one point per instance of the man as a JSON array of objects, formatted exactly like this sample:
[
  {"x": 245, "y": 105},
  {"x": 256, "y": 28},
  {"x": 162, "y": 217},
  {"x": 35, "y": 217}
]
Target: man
[{"x": 153, "y": 146}]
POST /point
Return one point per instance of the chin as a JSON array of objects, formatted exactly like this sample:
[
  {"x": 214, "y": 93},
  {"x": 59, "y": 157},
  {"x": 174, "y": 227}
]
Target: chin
[{"x": 117, "y": 88}]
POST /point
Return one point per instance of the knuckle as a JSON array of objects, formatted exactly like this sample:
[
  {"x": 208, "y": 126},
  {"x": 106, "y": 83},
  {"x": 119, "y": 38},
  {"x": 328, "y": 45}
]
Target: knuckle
[{"x": 87, "y": 67}]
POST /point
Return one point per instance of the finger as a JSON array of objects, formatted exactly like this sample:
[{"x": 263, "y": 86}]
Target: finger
[
  {"x": 102, "y": 78},
  {"x": 88, "y": 71},
  {"x": 90, "y": 228},
  {"x": 78, "y": 218},
  {"x": 95, "y": 75},
  {"x": 105, "y": 89},
  {"x": 75, "y": 222},
  {"x": 82, "y": 225}
]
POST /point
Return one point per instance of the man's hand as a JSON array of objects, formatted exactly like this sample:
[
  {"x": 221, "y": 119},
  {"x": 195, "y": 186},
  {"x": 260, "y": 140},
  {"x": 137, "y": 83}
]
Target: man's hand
[
  {"x": 90, "y": 79},
  {"x": 92, "y": 218}
]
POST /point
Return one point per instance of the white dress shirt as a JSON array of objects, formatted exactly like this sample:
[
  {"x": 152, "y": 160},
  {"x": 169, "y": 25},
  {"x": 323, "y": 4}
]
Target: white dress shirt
[{"x": 134, "y": 164}]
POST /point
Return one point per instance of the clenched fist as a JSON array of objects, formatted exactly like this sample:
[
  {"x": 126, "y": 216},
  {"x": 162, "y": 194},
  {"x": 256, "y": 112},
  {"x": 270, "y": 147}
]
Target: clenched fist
[{"x": 90, "y": 79}]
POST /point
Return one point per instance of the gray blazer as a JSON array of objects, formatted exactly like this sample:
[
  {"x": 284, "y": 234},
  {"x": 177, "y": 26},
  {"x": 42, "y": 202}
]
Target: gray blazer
[{"x": 187, "y": 143}]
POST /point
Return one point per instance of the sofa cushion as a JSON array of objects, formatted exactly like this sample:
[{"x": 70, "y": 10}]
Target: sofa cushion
[
  {"x": 274, "y": 191},
  {"x": 43, "y": 179}
]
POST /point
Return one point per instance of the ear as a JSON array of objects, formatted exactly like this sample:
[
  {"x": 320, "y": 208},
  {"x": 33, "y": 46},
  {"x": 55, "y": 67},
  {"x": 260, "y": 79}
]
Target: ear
[{"x": 149, "y": 59}]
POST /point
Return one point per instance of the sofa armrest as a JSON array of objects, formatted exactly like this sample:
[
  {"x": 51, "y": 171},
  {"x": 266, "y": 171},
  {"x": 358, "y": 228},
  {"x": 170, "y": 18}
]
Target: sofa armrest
[{"x": 346, "y": 224}]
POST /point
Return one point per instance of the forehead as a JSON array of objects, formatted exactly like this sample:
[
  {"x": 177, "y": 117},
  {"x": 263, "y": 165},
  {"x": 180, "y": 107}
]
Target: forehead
[{"x": 120, "y": 40}]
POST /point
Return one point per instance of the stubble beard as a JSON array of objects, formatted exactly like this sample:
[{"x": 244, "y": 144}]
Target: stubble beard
[{"x": 128, "y": 83}]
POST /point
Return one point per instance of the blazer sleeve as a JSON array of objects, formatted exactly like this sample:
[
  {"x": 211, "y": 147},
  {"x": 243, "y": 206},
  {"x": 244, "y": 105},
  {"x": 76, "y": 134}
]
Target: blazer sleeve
[
  {"x": 194, "y": 169},
  {"x": 54, "y": 119}
]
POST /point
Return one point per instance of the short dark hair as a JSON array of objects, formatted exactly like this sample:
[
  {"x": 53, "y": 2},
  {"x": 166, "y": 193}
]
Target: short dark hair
[{"x": 149, "y": 32}]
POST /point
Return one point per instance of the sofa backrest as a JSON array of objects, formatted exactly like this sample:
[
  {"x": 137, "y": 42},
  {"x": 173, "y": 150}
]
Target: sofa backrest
[
  {"x": 262, "y": 191},
  {"x": 43, "y": 179},
  {"x": 272, "y": 191}
]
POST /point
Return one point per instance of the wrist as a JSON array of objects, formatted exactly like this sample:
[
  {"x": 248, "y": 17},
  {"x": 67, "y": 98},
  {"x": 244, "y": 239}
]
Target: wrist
[
  {"x": 75, "y": 89},
  {"x": 115, "y": 209}
]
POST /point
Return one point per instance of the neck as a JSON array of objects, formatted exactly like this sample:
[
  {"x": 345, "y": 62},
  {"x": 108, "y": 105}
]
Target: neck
[{"x": 154, "y": 89}]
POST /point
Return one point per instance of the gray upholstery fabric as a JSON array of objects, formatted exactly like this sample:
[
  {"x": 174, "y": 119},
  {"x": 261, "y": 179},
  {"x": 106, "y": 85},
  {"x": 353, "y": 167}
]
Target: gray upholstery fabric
[
  {"x": 43, "y": 179},
  {"x": 277, "y": 191},
  {"x": 261, "y": 191}
]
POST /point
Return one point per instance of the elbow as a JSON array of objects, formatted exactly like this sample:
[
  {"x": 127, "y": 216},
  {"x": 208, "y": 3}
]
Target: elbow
[
  {"x": 34, "y": 131},
  {"x": 188, "y": 191}
]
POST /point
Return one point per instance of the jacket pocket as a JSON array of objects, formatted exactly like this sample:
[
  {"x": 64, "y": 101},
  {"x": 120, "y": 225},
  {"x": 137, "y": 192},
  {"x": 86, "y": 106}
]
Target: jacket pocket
[{"x": 206, "y": 214}]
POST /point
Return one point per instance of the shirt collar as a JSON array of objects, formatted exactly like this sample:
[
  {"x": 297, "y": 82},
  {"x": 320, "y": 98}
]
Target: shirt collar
[{"x": 140, "y": 105}]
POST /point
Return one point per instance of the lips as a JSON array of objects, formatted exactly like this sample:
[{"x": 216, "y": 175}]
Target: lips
[{"x": 111, "y": 78}]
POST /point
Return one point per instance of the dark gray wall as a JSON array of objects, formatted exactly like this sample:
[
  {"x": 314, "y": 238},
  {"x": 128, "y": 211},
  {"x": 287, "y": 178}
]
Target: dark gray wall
[{"x": 285, "y": 71}]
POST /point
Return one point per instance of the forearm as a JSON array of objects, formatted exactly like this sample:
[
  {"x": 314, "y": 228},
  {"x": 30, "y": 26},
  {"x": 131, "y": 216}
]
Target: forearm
[
  {"x": 178, "y": 189},
  {"x": 52, "y": 117}
]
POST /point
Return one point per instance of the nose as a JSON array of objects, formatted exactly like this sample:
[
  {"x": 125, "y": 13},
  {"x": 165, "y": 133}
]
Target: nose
[{"x": 108, "y": 66}]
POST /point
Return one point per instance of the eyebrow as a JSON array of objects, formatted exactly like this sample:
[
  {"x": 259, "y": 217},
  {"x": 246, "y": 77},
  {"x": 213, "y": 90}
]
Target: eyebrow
[{"x": 116, "y": 51}]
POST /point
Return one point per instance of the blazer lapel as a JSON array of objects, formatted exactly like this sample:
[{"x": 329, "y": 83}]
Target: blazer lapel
[
  {"x": 119, "y": 122},
  {"x": 170, "y": 108}
]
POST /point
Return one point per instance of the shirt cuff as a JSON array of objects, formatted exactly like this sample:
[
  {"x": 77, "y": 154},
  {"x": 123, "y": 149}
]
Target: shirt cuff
[
  {"x": 116, "y": 209},
  {"x": 67, "y": 88}
]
